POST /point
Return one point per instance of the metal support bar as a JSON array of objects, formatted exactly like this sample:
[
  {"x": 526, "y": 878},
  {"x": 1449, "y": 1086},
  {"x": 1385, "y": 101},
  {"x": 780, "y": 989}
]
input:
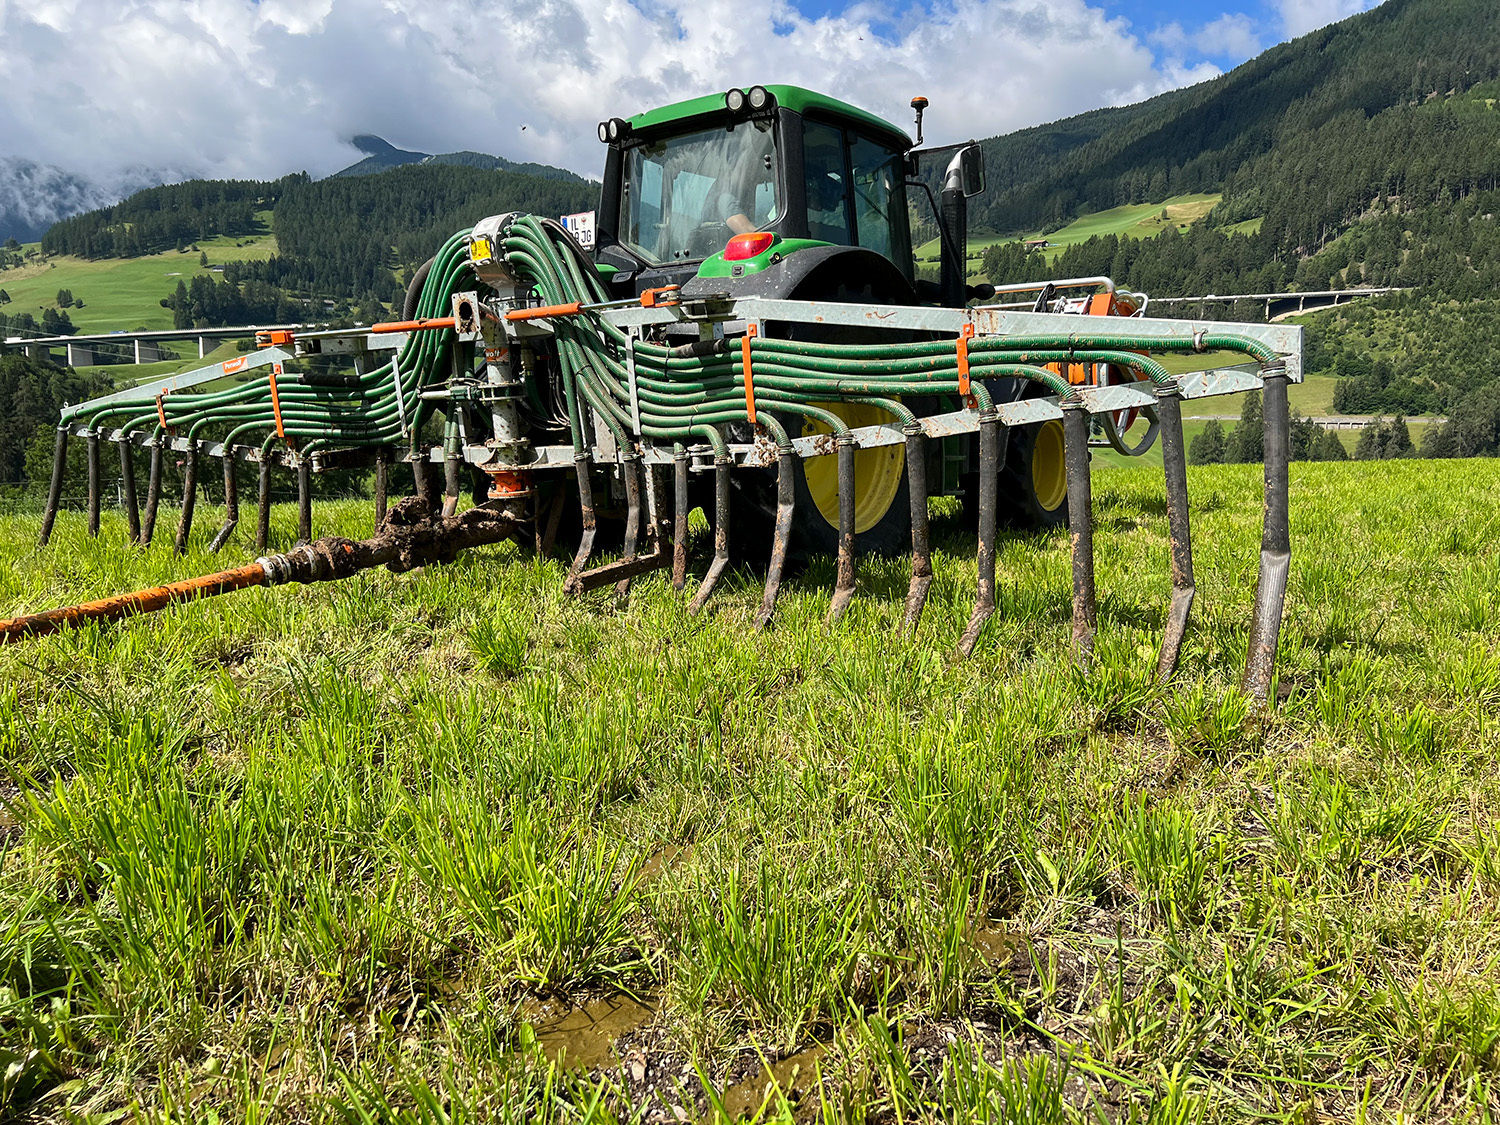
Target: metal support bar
[
  {"x": 921, "y": 547},
  {"x": 231, "y": 508},
  {"x": 304, "y": 500},
  {"x": 54, "y": 489},
  {"x": 94, "y": 484},
  {"x": 1275, "y": 544},
  {"x": 679, "y": 517},
  {"x": 630, "y": 468},
  {"x": 127, "y": 486},
  {"x": 153, "y": 493},
  {"x": 1179, "y": 532},
  {"x": 189, "y": 498},
  {"x": 263, "y": 508},
  {"x": 843, "y": 586},
  {"x": 583, "y": 472},
  {"x": 989, "y": 523},
  {"x": 786, "y": 502},
  {"x": 721, "y": 533},
  {"x": 1081, "y": 530}
]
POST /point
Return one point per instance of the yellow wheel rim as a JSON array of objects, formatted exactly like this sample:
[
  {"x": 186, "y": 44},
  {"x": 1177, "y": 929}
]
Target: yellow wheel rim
[
  {"x": 1049, "y": 469},
  {"x": 877, "y": 472}
]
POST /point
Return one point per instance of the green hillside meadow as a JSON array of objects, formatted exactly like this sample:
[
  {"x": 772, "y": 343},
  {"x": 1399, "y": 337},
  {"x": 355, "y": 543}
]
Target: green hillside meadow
[
  {"x": 455, "y": 845},
  {"x": 123, "y": 293}
]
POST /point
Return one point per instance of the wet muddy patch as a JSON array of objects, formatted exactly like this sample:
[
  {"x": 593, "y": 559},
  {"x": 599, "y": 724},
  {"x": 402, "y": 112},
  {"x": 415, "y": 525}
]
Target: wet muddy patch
[{"x": 583, "y": 1036}]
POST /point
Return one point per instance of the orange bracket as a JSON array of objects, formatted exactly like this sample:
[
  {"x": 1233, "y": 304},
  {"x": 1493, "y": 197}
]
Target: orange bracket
[
  {"x": 749, "y": 335},
  {"x": 651, "y": 298},
  {"x": 963, "y": 358},
  {"x": 276, "y": 405},
  {"x": 161, "y": 415},
  {"x": 275, "y": 338}
]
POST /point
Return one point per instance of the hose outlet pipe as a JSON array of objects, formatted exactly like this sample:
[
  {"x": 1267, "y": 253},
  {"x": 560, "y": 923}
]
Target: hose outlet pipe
[
  {"x": 630, "y": 468},
  {"x": 844, "y": 447},
  {"x": 781, "y": 536},
  {"x": 583, "y": 471},
  {"x": 153, "y": 490},
  {"x": 127, "y": 486},
  {"x": 304, "y": 500},
  {"x": 1179, "y": 529},
  {"x": 1080, "y": 528},
  {"x": 189, "y": 496},
  {"x": 1275, "y": 542},
  {"x": 451, "y": 463},
  {"x": 989, "y": 527},
  {"x": 263, "y": 504},
  {"x": 54, "y": 488},
  {"x": 94, "y": 483},
  {"x": 679, "y": 516},
  {"x": 921, "y": 540},
  {"x": 382, "y": 484},
  {"x": 231, "y": 505},
  {"x": 722, "y": 465}
]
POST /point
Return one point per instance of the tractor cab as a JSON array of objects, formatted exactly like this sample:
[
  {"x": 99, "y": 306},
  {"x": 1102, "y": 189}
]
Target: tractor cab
[{"x": 728, "y": 186}]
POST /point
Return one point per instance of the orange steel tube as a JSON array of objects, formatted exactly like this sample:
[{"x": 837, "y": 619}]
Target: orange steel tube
[
  {"x": 413, "y": 325},
  {"x": 546, "y": 310},
  {"x": 125, "y": 605}
]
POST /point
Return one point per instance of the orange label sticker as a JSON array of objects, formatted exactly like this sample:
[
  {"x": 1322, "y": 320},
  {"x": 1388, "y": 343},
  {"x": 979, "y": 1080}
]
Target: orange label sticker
[{"x": 233, "y": 365}]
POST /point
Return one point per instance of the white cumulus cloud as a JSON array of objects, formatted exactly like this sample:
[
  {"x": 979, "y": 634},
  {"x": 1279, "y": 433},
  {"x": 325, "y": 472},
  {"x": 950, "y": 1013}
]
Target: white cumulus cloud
[
  {"x": 240, "y": 88},
  {"x": 1298, "y": 17}
]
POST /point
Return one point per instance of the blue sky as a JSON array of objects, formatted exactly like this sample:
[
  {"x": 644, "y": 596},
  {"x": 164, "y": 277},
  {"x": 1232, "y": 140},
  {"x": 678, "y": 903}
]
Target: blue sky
[{"x": 1224, "y": 33}]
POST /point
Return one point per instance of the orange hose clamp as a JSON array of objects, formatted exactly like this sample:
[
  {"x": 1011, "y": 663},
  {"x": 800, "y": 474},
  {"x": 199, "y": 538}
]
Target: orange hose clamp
[
  {"x": 962, "y": 347},
  {"x": 750, "y": 333},
  {"x": 652, "y": 298},
  {"x": 276, "y": 404},
  {"x": 161, "y": 415},
  {"x": 276, "y": 338}
]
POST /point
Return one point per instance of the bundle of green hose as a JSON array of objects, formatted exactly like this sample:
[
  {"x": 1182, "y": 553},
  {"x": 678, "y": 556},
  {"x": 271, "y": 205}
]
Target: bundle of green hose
[{"x": 678, "y": 397}]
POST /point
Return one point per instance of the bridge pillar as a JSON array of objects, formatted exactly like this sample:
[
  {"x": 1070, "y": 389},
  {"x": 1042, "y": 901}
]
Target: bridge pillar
[
  {"x": 80, "y": 355},
  {"x": 146, "y": 351},
  {"x": 204, "y": 347},
  {"x": 39, "y": 351},
  {"x": 1268, "y": 310}
]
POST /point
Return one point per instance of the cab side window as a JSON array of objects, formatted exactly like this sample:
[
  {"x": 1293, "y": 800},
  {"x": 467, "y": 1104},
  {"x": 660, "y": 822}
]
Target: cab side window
[{"x": 827, "y": 169}]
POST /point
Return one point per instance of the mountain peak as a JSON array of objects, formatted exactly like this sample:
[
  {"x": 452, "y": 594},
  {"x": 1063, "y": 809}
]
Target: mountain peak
[{"x": 371, "y": 145}]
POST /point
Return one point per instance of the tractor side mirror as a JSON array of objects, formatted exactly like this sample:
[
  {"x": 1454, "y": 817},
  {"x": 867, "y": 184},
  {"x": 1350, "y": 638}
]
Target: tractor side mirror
[{"x": 971, "y": 170}]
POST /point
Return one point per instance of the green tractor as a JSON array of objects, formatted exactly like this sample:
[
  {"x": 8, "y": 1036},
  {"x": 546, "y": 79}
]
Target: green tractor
[
  {"x": 740, "y": 328},
  {"x": 778, "y": 191}
]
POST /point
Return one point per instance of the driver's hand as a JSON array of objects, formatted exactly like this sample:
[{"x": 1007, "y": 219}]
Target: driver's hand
[{"x": 739, "y": 223}]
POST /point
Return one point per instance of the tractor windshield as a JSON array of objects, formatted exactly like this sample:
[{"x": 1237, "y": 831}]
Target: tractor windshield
[{"x": 684, "y": 197}]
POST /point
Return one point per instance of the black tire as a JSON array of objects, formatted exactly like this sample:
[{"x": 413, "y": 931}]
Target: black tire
[{"x": 1022, "y": 506}]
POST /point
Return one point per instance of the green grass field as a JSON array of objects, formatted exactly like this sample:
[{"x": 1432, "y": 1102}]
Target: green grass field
[
  {"x": 122, "y": 293},
  {"x": 451, "y": 846},
  {"x": 1138, "y": 220}
]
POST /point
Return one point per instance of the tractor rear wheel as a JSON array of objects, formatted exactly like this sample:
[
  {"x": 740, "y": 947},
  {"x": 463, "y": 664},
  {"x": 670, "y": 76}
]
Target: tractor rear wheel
[{"x": 1034, "y": 478}]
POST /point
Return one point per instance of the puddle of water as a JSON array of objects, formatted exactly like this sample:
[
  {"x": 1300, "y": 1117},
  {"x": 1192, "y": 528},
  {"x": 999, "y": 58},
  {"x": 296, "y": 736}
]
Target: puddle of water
[
  {"x": 664, "y": 859},
  {"x": 585, "y": 1037},
  {"x": 795, "y": 1074},
  {"x": 994, "y": 943}
]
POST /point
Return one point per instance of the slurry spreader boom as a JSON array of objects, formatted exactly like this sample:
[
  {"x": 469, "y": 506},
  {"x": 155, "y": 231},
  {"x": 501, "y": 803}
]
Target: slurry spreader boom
[{"x": 741, "y": 329}]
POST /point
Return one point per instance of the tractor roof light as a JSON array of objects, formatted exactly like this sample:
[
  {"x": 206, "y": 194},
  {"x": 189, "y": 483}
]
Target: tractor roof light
[
  {"x": 618, "y": 129},
  {"x": 751, "y": 245},
  {"x": 604, "y": 132},
  {"x": 760, "y": 97},
  {"x": 734, "y": 100}
]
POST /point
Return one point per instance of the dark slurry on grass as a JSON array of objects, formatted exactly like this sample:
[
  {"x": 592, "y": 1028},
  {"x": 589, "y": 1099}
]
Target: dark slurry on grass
[{"x": 450, "y": 846}]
